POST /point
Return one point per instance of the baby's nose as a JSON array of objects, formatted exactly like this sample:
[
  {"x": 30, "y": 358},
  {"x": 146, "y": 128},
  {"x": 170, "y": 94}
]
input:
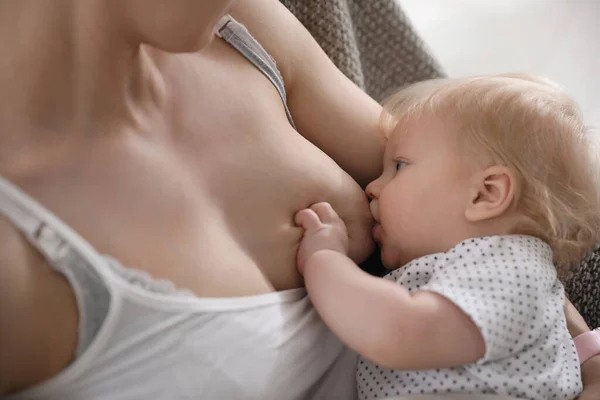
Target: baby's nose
[{"x": 372, "y": 190}]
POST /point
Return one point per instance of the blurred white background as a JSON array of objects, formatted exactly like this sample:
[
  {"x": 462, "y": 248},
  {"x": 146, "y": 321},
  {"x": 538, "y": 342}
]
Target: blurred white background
[{"x": 559, "y": 39}]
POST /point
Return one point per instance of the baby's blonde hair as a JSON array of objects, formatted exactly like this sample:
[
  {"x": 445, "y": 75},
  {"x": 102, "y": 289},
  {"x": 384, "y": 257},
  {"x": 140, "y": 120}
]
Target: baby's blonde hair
[{"x": 531, "y": 126}]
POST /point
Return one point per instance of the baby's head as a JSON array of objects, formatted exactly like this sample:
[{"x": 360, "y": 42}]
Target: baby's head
[{"x": 485, "y": 156}]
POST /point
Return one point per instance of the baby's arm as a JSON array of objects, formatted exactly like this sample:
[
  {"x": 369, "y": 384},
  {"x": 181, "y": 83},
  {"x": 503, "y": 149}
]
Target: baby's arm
[{"x": 377, "y": 318}]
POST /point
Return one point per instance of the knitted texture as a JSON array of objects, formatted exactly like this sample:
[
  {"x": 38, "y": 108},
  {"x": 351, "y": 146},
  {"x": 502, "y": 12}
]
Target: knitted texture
[
  {"x": 371, "y": 42},
  {"x": 583, "y": 288}
]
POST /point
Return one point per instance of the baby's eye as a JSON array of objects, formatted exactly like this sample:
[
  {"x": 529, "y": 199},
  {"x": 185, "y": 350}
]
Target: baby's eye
[{"x": 400, "y": 164}]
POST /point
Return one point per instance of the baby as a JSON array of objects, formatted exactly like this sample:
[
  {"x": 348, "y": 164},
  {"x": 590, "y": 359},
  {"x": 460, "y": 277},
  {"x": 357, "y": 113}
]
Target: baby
[{"x": 489, "y": 186}]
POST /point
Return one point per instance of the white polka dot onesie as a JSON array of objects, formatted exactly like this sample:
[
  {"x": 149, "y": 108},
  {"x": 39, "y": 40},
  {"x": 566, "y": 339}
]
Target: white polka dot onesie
[{"x": 508, "y": 286}]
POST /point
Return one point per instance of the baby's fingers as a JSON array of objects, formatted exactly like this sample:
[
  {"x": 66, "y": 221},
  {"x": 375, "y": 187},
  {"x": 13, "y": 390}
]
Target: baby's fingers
[
  {"x": 308, "y": 219},
  {"x": 325, "y": 212}
]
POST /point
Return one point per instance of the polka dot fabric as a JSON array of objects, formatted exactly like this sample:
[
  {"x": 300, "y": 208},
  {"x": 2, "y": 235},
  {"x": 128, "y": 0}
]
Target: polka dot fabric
[{"x": 508, "y": 286}]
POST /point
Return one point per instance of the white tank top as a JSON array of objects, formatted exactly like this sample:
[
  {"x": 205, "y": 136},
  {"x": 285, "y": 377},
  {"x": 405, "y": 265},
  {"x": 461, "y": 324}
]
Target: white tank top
[
  {"x": 155, "y": 343},
  {"x": 143, "y": 339}
]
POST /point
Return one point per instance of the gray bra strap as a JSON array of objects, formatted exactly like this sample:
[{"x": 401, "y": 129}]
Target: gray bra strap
[{"x": 240, "y": 39}]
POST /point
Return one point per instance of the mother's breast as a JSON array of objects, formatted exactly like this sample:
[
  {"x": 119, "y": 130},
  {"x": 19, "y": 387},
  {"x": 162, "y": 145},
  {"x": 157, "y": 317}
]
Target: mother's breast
[
  {"x": 253, "y": 168},
  {"x": 260, "y": 184}
]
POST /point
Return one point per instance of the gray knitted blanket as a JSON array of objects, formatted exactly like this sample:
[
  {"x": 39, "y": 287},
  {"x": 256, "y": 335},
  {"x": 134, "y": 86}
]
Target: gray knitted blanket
[{"x": 374, "y": 44}]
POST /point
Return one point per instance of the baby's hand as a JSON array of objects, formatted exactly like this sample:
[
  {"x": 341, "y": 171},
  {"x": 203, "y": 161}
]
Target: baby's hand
[{"x": 323, "y": 230}]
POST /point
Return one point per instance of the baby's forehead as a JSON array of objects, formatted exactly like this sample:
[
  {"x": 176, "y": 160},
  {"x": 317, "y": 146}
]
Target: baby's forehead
[
  {"x": 409, "y": 127},
  {"x": 422, "y": 131},
  {"x": 400, "y": 137}
]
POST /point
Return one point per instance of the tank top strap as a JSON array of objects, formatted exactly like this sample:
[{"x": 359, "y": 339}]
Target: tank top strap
[{"x": 67, "y": 253}]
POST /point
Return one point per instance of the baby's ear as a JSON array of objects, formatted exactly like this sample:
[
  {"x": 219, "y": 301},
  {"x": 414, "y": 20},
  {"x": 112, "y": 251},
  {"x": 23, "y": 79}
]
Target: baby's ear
[{"x": 492, "y": 193}]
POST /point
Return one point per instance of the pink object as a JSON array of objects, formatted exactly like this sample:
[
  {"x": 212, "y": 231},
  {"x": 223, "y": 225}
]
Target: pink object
[{"x": 587, "y": 345}]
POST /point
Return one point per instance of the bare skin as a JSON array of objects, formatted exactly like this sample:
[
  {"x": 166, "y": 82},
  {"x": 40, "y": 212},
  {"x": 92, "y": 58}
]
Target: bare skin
[
  {"x": 183, "y": 165},
  {"x": 193, "y": 177}
]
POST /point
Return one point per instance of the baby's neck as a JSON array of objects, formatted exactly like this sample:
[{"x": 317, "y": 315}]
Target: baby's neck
[{"x": 506, "y": 224}]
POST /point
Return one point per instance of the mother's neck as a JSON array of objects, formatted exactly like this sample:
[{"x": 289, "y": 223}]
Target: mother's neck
[{"x": 66, "y": 68}]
